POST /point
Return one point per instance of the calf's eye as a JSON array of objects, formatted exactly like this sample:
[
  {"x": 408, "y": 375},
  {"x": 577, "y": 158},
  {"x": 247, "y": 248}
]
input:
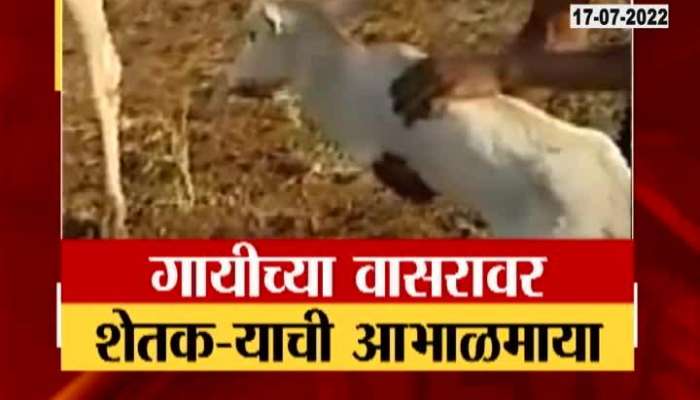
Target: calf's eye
[{"x": 252, "y": 35}]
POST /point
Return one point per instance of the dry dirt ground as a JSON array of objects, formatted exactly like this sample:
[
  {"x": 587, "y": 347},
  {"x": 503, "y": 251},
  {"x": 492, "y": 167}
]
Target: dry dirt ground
[{"x": 255, "y": 172}]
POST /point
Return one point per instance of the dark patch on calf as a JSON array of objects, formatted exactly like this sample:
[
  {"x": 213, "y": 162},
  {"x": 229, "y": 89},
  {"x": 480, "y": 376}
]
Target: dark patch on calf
[{"x": 393, "y": 171}]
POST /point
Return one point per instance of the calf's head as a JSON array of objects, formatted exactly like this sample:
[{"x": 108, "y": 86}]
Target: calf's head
[{"x": 282, "y": 38}]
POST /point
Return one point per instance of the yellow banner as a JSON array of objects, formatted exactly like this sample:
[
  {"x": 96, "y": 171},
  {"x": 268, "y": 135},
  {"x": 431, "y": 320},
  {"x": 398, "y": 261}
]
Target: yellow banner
[{"x": 352, "y": 337}]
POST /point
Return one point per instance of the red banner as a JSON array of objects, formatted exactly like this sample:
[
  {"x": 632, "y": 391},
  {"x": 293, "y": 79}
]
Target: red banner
[{"x": 573, "y": 271}]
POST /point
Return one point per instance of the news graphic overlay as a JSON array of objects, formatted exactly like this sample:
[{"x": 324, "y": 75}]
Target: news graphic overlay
[
  {"x": 619, "y": 16},
  {"x": 354, "y": 305}
]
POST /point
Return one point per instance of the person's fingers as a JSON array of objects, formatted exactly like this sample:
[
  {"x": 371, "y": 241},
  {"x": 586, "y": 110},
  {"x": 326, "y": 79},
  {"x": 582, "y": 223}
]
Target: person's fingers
[
  {"x": 417, "y": 95},
  {"x": 419, "y": 105},
  {"x": 410, "y": 84},
  {"x": 399, "y": 85},
  {"x": 424, "y": 89}
]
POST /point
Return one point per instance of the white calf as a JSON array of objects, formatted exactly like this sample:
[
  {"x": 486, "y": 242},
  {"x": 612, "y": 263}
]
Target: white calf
[
  {"x": 531, "y": 174},
  {"x": 105, "y": 72}
]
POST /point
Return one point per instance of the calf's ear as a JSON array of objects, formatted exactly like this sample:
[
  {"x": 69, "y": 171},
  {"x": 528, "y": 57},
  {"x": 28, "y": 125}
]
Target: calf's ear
[{"x": 273, "y": 16}]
